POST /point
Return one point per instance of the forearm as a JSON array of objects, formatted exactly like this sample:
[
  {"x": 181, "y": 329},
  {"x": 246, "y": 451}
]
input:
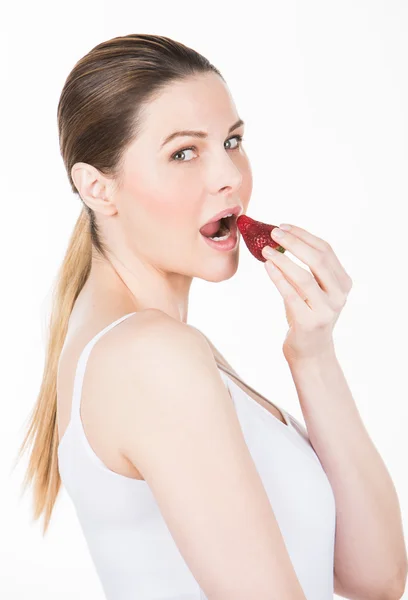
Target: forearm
[{"x": 369, "y": 547}]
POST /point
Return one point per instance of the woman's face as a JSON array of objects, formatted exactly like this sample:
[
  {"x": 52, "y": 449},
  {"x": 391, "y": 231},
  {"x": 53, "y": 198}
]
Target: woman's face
[{"x": 169, "y": 192}]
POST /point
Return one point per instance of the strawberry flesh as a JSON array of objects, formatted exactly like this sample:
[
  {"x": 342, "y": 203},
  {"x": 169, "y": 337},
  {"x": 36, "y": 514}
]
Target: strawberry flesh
[{"x": 257, "y": 235}]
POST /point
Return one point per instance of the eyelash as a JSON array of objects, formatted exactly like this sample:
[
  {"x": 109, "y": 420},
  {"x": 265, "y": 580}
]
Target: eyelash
[{"x": 240, "y": 139}]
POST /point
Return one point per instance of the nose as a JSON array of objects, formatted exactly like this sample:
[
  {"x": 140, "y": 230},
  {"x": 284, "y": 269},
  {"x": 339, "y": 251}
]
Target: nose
[{"x": 229, "y": 177}]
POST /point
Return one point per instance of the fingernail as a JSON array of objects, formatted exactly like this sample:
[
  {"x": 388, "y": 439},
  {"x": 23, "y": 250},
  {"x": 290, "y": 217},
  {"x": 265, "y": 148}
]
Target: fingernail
[
  {"x": 276, "y": 232},
  {"x": 285, "y": 226},
  {"x": 268, "y": 252}
]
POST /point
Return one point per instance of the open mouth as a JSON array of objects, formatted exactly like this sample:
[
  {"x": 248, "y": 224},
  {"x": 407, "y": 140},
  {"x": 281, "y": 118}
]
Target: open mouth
[
  {"x": 224, "y": 227},
  {"x": 220, "y": 228}
]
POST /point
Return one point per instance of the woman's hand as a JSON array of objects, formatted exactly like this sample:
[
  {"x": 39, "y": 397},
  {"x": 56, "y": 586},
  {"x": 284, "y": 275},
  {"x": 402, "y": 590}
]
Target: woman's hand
[{"x": 313, "y": 301}]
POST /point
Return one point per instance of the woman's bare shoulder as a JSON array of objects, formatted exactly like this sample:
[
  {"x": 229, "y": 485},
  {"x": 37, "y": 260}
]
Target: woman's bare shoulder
[{"x": 132, "y": 334}]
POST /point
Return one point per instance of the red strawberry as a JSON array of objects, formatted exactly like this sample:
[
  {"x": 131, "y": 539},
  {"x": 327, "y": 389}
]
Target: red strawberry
[{"x": 257, "y": 235}]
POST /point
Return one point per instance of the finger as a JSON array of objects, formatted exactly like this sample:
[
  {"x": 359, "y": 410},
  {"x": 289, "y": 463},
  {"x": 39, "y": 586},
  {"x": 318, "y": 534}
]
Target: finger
[
  {"x": 306, "y": 236},
  {"x": 288, "y": 292},
  {"x": 313, "y": 258},
  {"x": 301, "y": 280},
  {"x": 318, "y": 243}
]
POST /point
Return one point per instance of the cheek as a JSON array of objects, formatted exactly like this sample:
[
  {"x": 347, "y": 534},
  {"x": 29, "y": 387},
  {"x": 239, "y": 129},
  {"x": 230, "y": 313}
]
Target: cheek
[
  {"x": 158, "y": 202},
  {"x": 176, "y": 200},
  {"x": 169, "y": 210},
  {"x": 157, "y": 197},
  {"x": 246, "y": 186}
]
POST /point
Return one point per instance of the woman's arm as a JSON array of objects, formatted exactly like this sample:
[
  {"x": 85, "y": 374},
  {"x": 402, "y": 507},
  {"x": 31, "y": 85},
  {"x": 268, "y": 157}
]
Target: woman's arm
[{"x": 370, "y": 553}]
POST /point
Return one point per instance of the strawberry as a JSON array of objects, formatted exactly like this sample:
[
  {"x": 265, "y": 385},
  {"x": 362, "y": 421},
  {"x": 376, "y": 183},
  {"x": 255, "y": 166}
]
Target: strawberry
[{"x": 257, "y": 235}]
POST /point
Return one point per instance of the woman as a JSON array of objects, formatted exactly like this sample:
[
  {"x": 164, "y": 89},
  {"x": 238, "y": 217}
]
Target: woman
[{"x": 187, "y": 483}]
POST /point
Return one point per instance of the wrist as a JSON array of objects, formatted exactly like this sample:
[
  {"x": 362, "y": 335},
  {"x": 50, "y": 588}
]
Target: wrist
[{"x": 326, "y": 356}]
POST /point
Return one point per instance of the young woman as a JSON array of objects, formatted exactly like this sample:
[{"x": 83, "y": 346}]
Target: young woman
[{"x": 186, "y": 482}]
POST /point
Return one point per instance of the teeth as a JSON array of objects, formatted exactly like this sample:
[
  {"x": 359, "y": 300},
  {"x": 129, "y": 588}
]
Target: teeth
[{"x": 219, "y": 239}]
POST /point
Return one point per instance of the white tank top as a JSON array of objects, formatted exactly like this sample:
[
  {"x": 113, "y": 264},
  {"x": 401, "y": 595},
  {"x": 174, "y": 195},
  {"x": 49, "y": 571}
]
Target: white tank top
[{"x": 130, "y": 544}]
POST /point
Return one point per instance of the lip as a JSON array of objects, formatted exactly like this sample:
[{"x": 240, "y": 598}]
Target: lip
[
  {"x": 227, "y": 245},
  {"x": 235, "y": 210}
]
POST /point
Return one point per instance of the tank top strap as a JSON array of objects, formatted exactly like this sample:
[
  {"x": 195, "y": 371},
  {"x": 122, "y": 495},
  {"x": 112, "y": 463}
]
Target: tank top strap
[{"x": 81, "y": 366}]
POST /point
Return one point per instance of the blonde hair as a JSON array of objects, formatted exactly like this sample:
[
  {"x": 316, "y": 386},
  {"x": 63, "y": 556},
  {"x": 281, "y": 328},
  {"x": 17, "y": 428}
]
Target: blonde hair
[{"x": 99, "y": 115}]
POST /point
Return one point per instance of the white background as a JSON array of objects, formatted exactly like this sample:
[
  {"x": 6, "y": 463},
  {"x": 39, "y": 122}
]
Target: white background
[{"x": 322, "y": 87}]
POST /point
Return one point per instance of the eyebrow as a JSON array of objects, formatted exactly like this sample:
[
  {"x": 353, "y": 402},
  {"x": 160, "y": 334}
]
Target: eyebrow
[{"x": 198, "y": 134}]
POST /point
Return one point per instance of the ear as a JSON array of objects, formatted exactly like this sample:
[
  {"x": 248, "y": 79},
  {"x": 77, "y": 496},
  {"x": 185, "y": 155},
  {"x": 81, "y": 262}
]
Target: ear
[{"x": 94, "y": 188}]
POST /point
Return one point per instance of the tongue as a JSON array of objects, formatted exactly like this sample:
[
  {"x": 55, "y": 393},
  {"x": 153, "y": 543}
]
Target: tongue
[{"x": 210, "y": 229}]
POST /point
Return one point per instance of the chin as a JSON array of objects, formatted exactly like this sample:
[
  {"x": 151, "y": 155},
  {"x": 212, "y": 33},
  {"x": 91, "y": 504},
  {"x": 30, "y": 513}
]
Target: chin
[{"x": 220, "y": 270}]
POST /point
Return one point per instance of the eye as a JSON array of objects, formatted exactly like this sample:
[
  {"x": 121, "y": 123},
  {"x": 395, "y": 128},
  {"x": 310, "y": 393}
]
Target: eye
[{"x": 239, "y": 139}]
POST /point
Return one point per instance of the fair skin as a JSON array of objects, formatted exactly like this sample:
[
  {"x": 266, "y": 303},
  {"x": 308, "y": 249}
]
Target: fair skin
[
  {"x": 151, "y": 225},
  {"x": 151, "y": 222}
]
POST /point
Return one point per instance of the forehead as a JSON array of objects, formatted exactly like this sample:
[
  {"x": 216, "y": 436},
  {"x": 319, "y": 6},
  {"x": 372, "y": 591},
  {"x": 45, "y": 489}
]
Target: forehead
[{"x": 200, "y": 102}]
